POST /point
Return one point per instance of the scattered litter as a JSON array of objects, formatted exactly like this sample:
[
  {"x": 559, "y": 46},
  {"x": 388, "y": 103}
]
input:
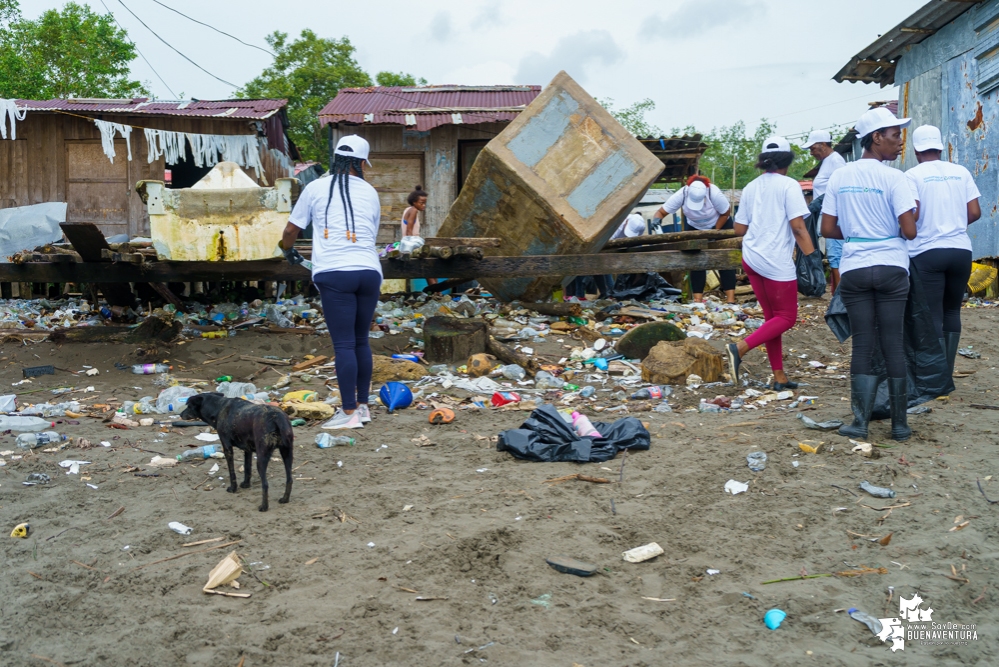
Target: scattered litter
[
  {"x": 876, "y": 491},
  {"x": 21, "y": 530},
  {"x": 568, "y": 565},
  {"x": 819, "y": 426},
  {"x": 207, "y": 437},
  {"x": 735, "y": 488},
  {"x": 37, "y": 478},
  {"x": 178, "y": 527},
  {"x": 73, "y": 466},
  {"x": 774, "y": 618},
  {"x": 967, "y": 352},
  {"x": 643, "y": 553},
  {"x": 544, "y": 600},
  {"x": 711, "y": 572},
  {"x": 757, "y": 461}
]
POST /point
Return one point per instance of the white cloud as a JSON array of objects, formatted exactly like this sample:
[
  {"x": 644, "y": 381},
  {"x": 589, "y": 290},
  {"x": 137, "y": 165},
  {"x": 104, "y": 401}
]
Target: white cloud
[
  {"x": 699, "y": 17},
  {"x": 574, "y": 54},
  {"x": 488, "y": 17},
  {"x": 440, "y": 27}
]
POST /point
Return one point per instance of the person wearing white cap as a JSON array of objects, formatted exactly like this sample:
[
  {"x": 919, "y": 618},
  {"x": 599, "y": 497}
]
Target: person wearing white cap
[
  {"x": 704, "y": 207},
  {"x": 771, "y": 219},
  {"x": 869, "y": 205},
  {"x": 946, "y": 203},
  {"x": 344, "y": 211},
  {"x": 819, "y": 144}
]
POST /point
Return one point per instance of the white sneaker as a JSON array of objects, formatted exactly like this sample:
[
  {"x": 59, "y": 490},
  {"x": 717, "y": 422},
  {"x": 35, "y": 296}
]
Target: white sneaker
[
  {"x": 342, "y": 420},
  {"x": 365, "y": 413}
]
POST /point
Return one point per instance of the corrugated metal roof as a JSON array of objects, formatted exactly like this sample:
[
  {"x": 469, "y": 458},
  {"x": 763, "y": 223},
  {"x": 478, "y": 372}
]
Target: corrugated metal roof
[
  {"x": 876, "y": 62},
  {"x": 426, "y": 107},
  {"x": 241, "y": 109},
  {"x": 679, "y": 155}
]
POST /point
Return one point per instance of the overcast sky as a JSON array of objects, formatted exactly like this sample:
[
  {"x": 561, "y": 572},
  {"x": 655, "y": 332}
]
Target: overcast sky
[{"x": 704, "y": 62}]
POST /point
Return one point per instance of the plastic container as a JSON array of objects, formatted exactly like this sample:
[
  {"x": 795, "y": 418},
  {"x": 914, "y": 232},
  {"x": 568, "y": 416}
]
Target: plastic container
[
  {"x": 146, "y": 406},
  {"x": 174, "y": 399},
  {"x": 7, "y": 403},
  {"x": 236, "y": 389},
  {"x": 32, "y": 440},
  {"x": 863, "y": 617},
  {"x": 654, "y": 392},
  {"x": 583, "y": 426},
  {"x": 178, "y": 527},
  {"x": 274, "y": 314},
  {"x": 587, "y": 391},
  {"x": 327, "y": 440},
  {"x": 408, "y": 357},
  {"x": 150, "y": 369},
  {"x": 25, "y": 424},
  {"x": 757, "y": 461},
  {"x": 199, "y": 453},
  {"x": 545, "y": 380},
  {"x": 602, "y": 364},
  {"x": 395, "y": 396},
  {"x": 774, "y": 618},
  {"x": 513, "y": 372},
  {"x": 501, "y": 398}
]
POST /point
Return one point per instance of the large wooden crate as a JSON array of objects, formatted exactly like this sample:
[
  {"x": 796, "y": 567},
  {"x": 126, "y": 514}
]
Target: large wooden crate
[{"x": 558, "y": 180}]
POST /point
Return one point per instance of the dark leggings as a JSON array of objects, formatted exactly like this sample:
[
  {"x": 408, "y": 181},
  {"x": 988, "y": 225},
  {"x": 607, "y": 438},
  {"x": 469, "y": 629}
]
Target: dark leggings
[
  {"x": 944, "y": 273},
  {"x": 699, "y": 278},
  {"x": 349, "y": 300},
  {"x": 875, "y": 298}
]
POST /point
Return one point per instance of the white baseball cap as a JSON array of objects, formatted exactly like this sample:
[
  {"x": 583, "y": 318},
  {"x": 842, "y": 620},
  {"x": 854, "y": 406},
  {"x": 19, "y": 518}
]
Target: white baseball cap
[
  {"x": 878, "y": 119},
  {"x": 776, "y": 145},
  {"x": 697, "y": 192},
  {"x": 353, "y": 146},
  {"x": 927, "y": 138},
  {"x": 817, "y": 137}
]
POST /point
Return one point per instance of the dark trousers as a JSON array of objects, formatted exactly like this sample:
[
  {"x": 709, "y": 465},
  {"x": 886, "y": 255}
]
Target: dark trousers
[
  {"x": 875, "y": 299},
  {"x": 577, "y": 288},
  {"x": 699, "y": 278},
  {"x": 944, "y": 273},
  {"x": 349, "y": 300}
]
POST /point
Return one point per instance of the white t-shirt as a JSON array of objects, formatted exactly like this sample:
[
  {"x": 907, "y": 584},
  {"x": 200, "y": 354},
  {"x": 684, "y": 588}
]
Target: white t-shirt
[
  {"x": 768, "y": 205},
  {"x": 943, "y": 190},
  {"x": 633, "y": 225},
  {"x": 336, "y": 253},
  {"x": 831, "y": 163},
  {"x": 715, "y": 205},
  {"x": 868, "y": 196}
]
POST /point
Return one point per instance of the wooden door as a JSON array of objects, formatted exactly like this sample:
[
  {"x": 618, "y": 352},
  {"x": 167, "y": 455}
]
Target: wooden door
[
  {"x": 468, "y": 150},
  {"x": 96, "y": 189},
  {"x": 394, "y": 175}
]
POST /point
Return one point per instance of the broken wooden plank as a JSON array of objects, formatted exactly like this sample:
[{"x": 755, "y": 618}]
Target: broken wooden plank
[
  {"x": 670, "y": 237},
  {"x": 457, "y": 241},
  {"x": 690, "y": 244},
  {"x": 88, "y": 240},
  {"x": 114, "y": 256},
  {"x": 166, "y": 293},
  {"x": 508, "y": 355},
  {"x": 55, "y": 257},
  {"x": 309, "y": 363},
  {"x": 262, "y": 360}
]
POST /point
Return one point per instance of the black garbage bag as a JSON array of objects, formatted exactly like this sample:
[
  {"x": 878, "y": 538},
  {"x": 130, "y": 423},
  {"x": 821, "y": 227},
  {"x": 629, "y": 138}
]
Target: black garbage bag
[
  {"x": 811, "y": 275},
  {"x": 546, "y": 437},
  {"x": 927, "y": 370},
  {"x": 643, "y": 287},
  {"x": 813, "y": 223}
]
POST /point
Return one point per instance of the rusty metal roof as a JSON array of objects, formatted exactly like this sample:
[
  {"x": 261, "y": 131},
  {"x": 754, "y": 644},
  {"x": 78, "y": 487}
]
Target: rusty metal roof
[
  {"x": 426, "y": 107},
  {"x": 876, "y": 62},
  {"x": 240, "y": 109},
  {"x": 680, "y": 155}
]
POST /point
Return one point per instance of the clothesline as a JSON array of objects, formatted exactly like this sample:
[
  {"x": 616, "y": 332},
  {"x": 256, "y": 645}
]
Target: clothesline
[{"x": 9, "y": 108}]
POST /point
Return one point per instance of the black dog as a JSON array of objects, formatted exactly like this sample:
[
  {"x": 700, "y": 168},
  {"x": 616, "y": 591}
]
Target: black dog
[{"x": 256, "y": 429}]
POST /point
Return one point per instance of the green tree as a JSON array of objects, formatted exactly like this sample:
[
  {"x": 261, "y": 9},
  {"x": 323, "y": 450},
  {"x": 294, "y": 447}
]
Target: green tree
[
  {"x": 398, "y": 79},
  {"x": 633, "y": 117},
  {"x": 72, "y": 52},
  {"x": 308, "y": 72}
]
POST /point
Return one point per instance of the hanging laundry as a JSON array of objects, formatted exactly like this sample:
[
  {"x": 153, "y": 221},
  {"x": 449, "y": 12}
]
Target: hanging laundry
[
  {"x": 9, "y": 108},
  {"x": 108, "y": 131},
  {"x": 169, "y": 145},
  {"x": 206, "y": 149}
]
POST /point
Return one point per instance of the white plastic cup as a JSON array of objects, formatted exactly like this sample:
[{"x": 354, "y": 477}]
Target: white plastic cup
[{"x": 178, "y": 527}]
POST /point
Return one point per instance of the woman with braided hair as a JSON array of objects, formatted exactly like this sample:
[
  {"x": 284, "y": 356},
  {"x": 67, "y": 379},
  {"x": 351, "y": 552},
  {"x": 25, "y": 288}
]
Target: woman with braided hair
[{"x": 344, "y": 211}]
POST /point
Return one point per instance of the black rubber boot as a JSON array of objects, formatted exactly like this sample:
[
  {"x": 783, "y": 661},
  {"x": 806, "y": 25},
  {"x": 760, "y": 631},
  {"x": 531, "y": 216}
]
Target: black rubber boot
[
  {"x": 863, "y": 389},
  {"x": 952, "y": 341},
  {"x": 898, "y": 401}
]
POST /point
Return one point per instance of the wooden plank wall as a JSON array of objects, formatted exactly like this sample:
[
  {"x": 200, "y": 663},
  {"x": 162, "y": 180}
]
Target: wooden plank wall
[
  {"x": 439, "y": 147},
  {"x": 33, "y": 168}
]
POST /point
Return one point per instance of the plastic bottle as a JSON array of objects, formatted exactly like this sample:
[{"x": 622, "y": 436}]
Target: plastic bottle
[
  {"x": 25, "y": 424},
  {"x": 437, "y": 369},
  {"x": 150, "y": 369},
  {"x": 174, "y": 399},
  {"x": 199, "y": 453},
  {"x": 583, "y": 426},
  {"x": 275, "y": 315},
  {"x": 326, "y": 440},
  {"x": 648, "y": 392},
  {"x": 708, "y": 407},
  {"x": 32, "y": 440},
  {"x": 501, "y": 398},
  {"x": 514, "y": 372},
  {"x": 237, "y": 389},
  {"x": 863, "y": 617},
  {"x": 587, "y": 391}
]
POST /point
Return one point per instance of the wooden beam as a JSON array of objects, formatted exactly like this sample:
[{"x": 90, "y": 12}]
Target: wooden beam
[
  {"x": 670, "y": 237},
  {"x": 469, "y": 242},
  {"x": 917, "y": 31},
  {"x": 459, "y": 267},
  {"x": 692, "y": 244}
]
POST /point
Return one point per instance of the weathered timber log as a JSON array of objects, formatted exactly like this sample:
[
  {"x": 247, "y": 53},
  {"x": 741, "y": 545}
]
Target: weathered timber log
[
  {"x": 688, "y": 245},
  {"x": 508, "y": 355},
  {"x": 726, "y": 244},
  {"x": 451, "y": 340},
  {"x": 670, "y": 237},
  {"x": 566, "y": 309},
  {"x": 467, "y": 242},
  {"x": 151, "y": 329}
]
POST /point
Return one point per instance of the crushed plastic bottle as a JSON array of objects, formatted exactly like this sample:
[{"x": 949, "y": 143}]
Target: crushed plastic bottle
[
  {"x": 32, "y": 440},
  {"x": 437, "y": 369},
  {"x": 51, "y": 410},
  {"x": 863, "y": 617},
  {"x": 757, "y": 461},
  {"x": 274, "y": 314},
  {"x": 587, "y": 391},
  {"x": 24, "y": 424},
  {"x": 545, "y": 380},
  {"x": 236, "y": 389},
  {"x": 327, "y": 440},
  {"x": 663, "y": 407},
  {"x": 174, "y": 399},
  {"x": 876, "y": 491},
  {"x": 199, "y": 453},
  {"x": 653, "y": 392},
  {"x": 513, "y": 372}
]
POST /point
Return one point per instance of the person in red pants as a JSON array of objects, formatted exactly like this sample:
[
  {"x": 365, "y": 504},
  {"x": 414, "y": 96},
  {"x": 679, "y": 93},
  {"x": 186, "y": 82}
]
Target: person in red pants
[{"x": 771, "y": 219}]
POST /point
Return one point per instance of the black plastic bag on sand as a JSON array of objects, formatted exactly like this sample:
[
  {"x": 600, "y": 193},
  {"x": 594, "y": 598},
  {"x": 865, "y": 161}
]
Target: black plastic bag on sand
[
  {"x": 643, "y": 287},
  {"x": 547, "y": 437},
  {"x": 925, "y": 359},
  {"x": 811, "y": 276}
]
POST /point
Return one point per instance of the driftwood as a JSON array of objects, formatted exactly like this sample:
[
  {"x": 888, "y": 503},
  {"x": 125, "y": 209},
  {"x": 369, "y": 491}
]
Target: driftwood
[
  {"x": 451, "y": 340},
  {"x": 566, "y": 309},
  {"x": 508, "y": 355},
  {"x": 151, "y": 329},
  {"x": 457, "y": 241}
]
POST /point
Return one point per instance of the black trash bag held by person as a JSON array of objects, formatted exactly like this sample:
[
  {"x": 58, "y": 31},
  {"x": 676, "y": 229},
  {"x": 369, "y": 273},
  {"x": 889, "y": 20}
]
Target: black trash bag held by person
[
  {"x": 814, "y": 221},
  {"x": 811, "y": 275},
  {"x": 925, "y": 359},
  {"x": 546, "y": 437}
]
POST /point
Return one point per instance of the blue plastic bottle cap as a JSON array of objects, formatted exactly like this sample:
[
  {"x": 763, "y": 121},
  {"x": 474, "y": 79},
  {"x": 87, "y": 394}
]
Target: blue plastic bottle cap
[
  {"x": 774, "y": 618},
  {"x": 850, "y": 610}
]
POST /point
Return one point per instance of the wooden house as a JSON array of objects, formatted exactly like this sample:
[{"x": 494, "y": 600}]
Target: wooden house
[
  {"x": 58, "y": 155},
  {"x": 427, "y": 135}
]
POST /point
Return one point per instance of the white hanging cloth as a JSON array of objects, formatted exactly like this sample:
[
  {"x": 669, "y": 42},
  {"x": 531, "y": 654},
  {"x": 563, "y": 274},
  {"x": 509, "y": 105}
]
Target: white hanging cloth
[
  {"x": 9, "y": 108},
  {"x": 165, "y": 144},
  {"x": 108, "y": 131}
]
